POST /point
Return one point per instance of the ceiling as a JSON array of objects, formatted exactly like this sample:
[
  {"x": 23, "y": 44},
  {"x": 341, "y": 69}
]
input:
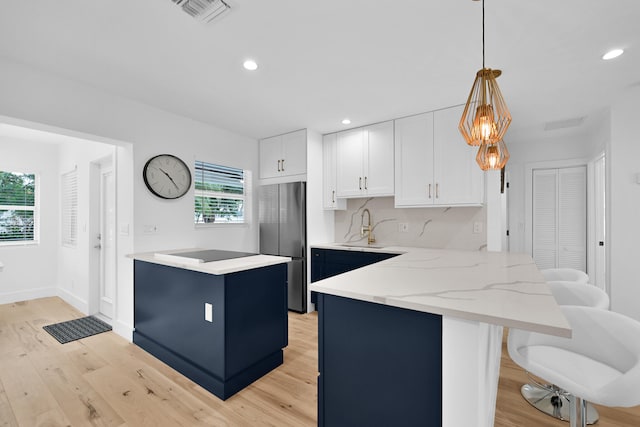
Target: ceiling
[{"x": 322, "y": 61}]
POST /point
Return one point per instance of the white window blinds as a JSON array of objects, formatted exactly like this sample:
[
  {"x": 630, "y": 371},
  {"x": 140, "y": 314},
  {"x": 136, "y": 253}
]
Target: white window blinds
[
  {"x": 69, "y": 208},
  {"x": 219, "y": 194},
  {"x": 18, "y": 215}
]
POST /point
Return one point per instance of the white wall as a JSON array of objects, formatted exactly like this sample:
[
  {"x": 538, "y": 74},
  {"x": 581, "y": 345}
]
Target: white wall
[
  {"x": 31, "y": 270},
  {"x": 623, "y": 167},
  {"x": 31, "y": 95},
  {"x": 524, "y": 153}
]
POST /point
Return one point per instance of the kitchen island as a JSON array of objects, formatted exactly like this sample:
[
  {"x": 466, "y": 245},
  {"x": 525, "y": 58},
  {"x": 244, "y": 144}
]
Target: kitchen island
[
  {"x": 416, "y": 339},
  {"x": 217, "y": 317}
]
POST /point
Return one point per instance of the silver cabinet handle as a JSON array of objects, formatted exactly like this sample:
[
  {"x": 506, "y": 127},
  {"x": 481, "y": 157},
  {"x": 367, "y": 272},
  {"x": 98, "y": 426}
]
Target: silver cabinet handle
[
  {"x": 279, "y": 165},
  {"x": 429, "y": 190},
  {"x": 333, "y": 196},
  {"x": 437, "y": 191},
  {"x": 98, "y": 246},
  {"x": 365, "y": 183},
  {"x": 360, "y": 183},
  {"x": 282, "y": 165}
]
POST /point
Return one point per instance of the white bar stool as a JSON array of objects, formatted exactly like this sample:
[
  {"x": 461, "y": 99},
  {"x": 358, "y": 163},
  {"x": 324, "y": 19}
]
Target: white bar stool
[
  {"x": 549, "y": 398},
  {"x": 600, "y": 363},
  {"x": 565, "y": 275}
]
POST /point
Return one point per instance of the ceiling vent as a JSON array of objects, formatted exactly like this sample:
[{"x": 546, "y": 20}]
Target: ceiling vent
[
  {"x": 562, "y": 124},
  {"x": 203, "y": 10}
]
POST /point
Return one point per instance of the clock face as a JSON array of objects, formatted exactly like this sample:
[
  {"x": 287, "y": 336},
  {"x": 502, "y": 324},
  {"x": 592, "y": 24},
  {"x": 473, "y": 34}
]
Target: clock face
[{"x": 167, "y": 176}]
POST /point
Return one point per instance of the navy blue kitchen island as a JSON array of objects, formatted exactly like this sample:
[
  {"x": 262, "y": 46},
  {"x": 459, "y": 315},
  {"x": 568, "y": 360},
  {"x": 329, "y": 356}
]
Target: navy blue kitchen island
[{"x": 223, "y": 331}]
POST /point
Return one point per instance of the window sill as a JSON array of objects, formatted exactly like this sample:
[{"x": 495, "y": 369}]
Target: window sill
[{"x": 222, "y": 225}]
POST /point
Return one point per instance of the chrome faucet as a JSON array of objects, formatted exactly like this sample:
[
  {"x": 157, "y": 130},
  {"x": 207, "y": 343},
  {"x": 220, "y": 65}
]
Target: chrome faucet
[{"x": 366, "y": 229}]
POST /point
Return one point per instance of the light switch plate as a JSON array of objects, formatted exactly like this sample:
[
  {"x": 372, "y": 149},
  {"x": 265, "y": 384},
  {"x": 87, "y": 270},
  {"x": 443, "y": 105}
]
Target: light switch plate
[{"x": 208, "y": 312}]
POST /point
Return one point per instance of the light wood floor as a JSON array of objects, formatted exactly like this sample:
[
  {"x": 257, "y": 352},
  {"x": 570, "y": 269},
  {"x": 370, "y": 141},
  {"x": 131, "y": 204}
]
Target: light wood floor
[{"x": 105, "y": 381}]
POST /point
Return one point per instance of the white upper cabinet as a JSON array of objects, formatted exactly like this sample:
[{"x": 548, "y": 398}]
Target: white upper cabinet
[
  {"x": 433, "y": 164},
  {"x": 459, "y": 179},
  {"x": 365, "y": 161},
  {"x": 414, "y": 160},
  {"x": 284, "y": 155},
  {"x": 330, "y": 200}
]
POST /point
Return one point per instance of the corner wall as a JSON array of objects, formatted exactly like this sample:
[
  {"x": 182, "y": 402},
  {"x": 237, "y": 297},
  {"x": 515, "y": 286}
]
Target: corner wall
[{"x": 623, "y": 167}]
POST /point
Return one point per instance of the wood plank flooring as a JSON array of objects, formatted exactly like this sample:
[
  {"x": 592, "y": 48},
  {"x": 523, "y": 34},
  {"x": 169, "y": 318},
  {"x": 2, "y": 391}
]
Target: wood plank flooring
[{"x": 105, "y": 381}]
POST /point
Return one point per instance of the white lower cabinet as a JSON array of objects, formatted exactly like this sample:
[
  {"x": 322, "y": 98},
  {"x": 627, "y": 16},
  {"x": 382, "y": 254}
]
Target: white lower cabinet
[
  {"x": 364, "y": 166},
  {"x": 433, "y": 164}
]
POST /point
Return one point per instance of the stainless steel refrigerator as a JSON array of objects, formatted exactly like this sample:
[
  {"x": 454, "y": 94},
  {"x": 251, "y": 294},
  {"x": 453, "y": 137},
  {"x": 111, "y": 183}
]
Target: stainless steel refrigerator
[{"x": 283, "y": 231}]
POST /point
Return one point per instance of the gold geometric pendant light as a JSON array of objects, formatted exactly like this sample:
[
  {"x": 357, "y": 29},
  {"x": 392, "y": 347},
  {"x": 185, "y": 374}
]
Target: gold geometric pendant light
[
  {"x": 492, "y": 156},
  {"x": 486, "y": 117}
]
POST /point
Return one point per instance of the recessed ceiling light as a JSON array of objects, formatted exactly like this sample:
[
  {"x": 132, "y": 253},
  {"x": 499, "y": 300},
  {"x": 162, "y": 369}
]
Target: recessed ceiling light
[
  {"x": 346, "y": 121},
  {"x": 250, "y": 65},
  {"x": 612, "y": 54}
]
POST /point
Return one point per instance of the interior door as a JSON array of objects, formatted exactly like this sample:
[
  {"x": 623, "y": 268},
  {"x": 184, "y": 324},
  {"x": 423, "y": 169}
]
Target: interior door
[
  {"x": 560, "y": 218},
  {"x": 107, "y": 243},
  {"x": 599, "y": 275}
]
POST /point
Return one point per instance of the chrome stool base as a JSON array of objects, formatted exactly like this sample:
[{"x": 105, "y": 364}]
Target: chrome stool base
[{"x": 555, "y": 402}]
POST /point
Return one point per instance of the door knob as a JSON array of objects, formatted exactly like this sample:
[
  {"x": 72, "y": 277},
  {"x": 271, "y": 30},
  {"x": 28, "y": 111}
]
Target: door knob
[{"x": 98, "y": 246}]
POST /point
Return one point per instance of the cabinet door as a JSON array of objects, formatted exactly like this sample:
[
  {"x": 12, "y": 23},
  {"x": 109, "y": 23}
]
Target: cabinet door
[
  {"x": 329, "y": 197},
  {"x": 294, "y": 153},
  {"x": 271, "y": 157},
  {"x": 458, "y": 178},
  {"x": 349, "y": 176},
  {"x": 378, "y": 164},
  {"x": 414, "y": 161}
]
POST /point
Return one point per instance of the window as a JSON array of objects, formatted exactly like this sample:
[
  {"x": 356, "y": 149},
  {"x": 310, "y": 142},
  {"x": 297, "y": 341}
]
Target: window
[
  {"x": 18, "y": 208},
  {"x": 69, "y": 208},
  {"x": 219, "y": 194}
]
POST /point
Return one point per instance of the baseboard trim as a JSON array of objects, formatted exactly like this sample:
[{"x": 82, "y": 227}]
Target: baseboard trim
[
  {"x": 122, "y": 329},
  {"x": 80, "y": 304},
  {"x": 11, "y": 297}
]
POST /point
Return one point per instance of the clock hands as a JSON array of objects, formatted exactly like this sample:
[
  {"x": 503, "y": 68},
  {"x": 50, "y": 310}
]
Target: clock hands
[{"x": 170, "y": 179}]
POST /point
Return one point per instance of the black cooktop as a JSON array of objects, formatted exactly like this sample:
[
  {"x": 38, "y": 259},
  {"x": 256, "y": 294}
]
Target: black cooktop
[{"x": 213, "y": 255}]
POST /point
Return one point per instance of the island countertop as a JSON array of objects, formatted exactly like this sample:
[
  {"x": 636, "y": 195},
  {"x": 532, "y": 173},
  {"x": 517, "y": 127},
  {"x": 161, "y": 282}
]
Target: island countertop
[
  {"x": 500, "y": 288},
  {"x": 226, "y": 266}
]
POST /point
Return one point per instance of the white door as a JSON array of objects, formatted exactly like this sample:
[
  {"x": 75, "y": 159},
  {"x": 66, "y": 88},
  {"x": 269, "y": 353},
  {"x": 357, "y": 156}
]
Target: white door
[
  {"x": 560, "y": 218},
  {"x": 294, "y": 153},
  {"x": 598, "y": 277},
  {"x": 457, "y": 177},
  {"x": 378, "y": 164},
  {"x": 414, "y": 161},
  {"x": 349, "y": 176},
  {"x": 107, "y": 240},
  {"x": 271, "y": 157}
]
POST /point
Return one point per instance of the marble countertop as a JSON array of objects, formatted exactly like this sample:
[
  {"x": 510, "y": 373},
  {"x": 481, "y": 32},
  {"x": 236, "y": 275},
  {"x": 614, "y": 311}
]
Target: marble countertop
[
  {"x": 214, "y": 267},
  {"x": 493, "y": 287}
]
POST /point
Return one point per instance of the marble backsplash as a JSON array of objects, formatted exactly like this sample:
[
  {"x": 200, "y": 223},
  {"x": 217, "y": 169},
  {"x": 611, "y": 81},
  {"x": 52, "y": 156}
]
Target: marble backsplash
[{"x": 445, "y": 227}]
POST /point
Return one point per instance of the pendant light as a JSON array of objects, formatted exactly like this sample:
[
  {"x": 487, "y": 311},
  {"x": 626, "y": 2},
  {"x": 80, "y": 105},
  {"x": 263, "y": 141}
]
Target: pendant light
[
  {"x": 492, "y": 156},
  {"x": 486, "y": 117}
]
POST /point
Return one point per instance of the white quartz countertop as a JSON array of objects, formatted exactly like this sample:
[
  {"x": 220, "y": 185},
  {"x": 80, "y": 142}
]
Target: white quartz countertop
[
  {"x": 493, "y": 287},
  {"x": 214, "y": 267}
]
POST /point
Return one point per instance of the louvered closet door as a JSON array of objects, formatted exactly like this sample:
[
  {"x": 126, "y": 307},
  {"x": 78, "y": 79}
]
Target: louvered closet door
[
  {"x": 545, "y": 217},
  {"x": 560, "y": 218}
]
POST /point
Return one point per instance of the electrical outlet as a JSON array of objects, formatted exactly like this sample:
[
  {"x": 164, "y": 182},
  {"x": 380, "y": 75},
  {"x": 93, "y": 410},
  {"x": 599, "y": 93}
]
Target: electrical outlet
[
  {"x": 208, "y": 312},
  {"x": 403, "y": 227},
  {"x": 477, "y": 227},
  {"x": 150, "y": 229}
]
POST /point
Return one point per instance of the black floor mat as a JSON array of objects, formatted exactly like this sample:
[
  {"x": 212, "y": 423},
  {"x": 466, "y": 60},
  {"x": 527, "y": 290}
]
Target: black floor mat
[{"x": 76, "y": 329}]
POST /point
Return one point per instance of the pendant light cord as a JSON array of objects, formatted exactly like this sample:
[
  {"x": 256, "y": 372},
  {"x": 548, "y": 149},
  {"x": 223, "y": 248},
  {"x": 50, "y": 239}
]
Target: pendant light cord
[{"x": 483, "y": 34}]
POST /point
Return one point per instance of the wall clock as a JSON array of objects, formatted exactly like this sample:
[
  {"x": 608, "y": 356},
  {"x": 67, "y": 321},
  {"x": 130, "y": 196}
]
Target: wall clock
[{"x": 167, "y": 176}]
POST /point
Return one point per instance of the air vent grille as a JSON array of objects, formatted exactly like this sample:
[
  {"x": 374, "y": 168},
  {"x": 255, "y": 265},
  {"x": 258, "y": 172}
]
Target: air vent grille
[{"x": 203, "y": 10}]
